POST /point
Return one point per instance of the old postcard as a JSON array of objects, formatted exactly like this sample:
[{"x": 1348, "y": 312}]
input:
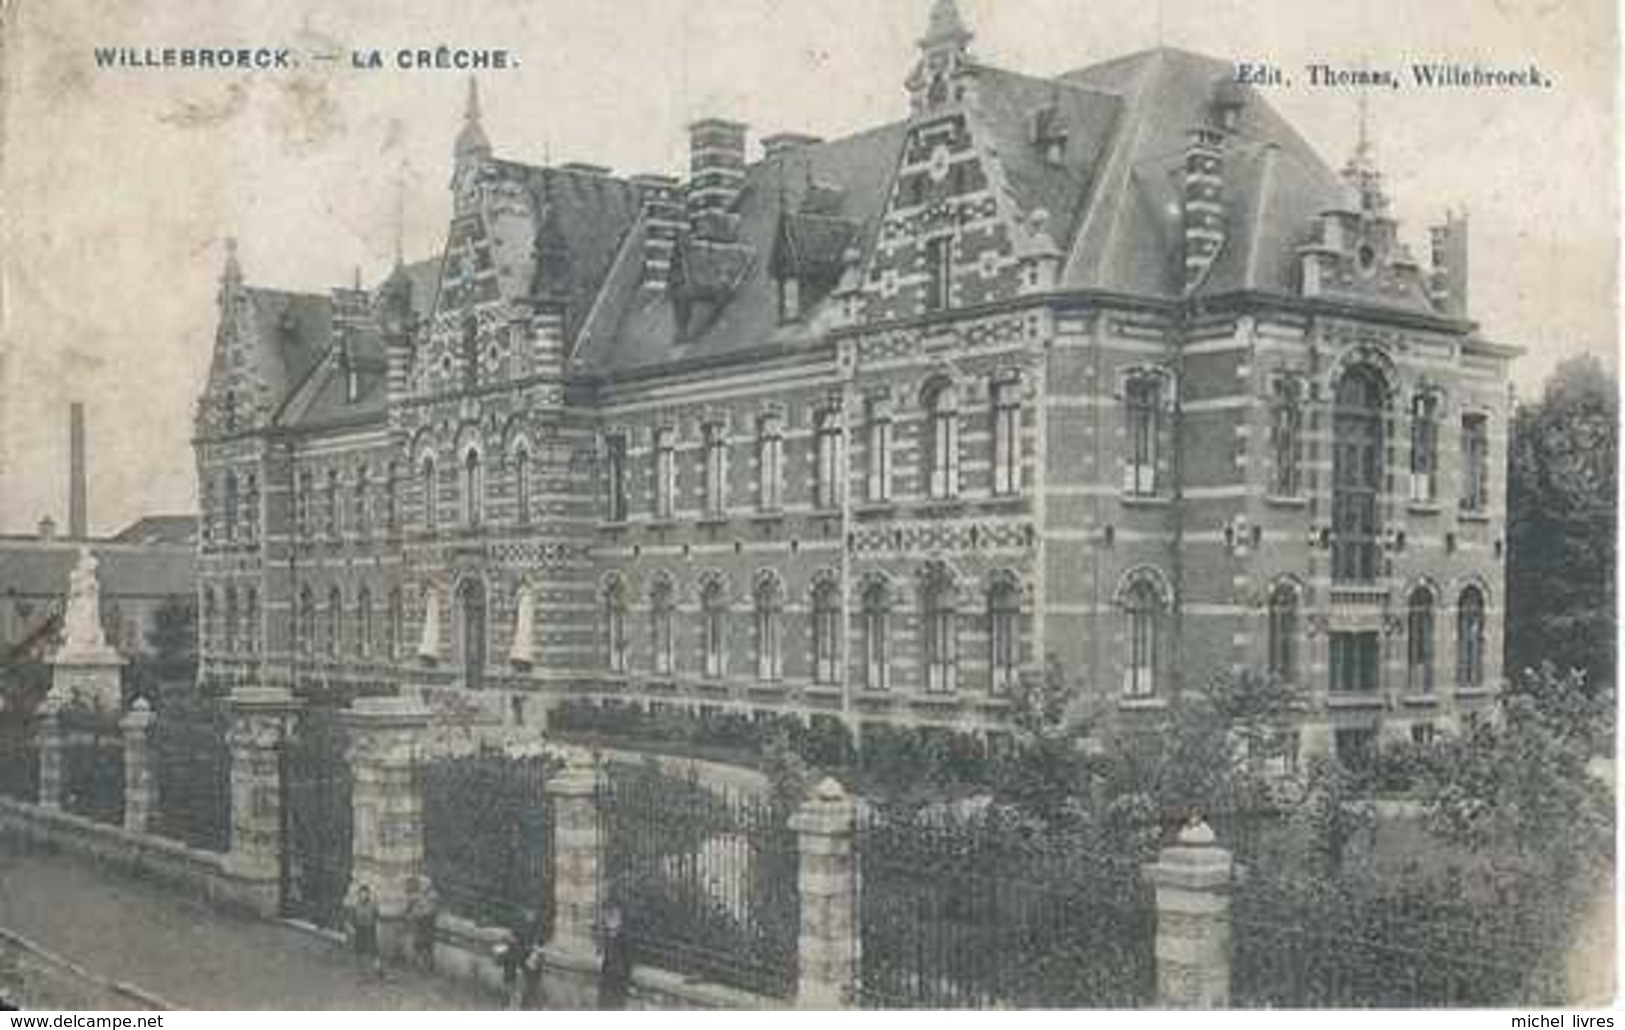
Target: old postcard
[{"x": 744, "y": 504}]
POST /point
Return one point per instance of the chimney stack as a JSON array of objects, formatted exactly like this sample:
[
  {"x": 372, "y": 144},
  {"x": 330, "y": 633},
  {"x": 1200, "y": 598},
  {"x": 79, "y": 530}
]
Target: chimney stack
[
  {"x": 1447, "y": 282},
  {"x": 78, "y": 528},
  {"x": 662, "y": 222},
  {"x": 717, "y": 177},
  {"x": 1204, "y": 203},
  {"x": 786, "y": 142}
]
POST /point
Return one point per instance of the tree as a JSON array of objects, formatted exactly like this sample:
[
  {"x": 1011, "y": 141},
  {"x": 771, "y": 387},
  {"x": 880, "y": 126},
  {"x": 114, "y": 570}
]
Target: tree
[{"x": 1561, "y": 497}]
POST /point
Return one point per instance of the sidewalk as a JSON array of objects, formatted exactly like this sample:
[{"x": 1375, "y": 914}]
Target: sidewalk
[{"x": 190, "y": 955}]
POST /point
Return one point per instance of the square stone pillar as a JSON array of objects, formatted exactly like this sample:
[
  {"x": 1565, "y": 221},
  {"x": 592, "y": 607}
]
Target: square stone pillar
[
  {"x": 140, "y": 781},
  {"x": 253, "y": 866},
  {"x": 1192, "y": 880},
  {"x": 52, "y": 745},
  {"x": 826, "y": 875},
  {"x": 573, "y": 957},
  {"x": 386, "y": 735}
]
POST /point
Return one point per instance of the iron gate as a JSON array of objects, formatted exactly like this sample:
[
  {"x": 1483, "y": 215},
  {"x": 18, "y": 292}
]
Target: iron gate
[{"x": 316, "y": 815}]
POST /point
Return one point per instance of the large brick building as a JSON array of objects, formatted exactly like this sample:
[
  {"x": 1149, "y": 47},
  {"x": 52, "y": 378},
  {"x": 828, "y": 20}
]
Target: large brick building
[{"x": 1109, "y": 367}]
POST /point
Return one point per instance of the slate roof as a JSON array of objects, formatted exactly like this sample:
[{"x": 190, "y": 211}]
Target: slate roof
[
  {"x": 36, "y": 568},
  {"x": 293, "y": 330},
  {"x": 178, "y": 530}
]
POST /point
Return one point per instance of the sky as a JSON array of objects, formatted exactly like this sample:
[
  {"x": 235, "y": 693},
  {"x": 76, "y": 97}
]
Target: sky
[{"x": 118, "y": 187}]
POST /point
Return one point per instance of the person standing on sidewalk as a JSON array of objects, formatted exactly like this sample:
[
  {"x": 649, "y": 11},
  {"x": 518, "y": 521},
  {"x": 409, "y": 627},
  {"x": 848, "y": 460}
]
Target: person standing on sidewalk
[
  {"x": 363, "y": 916},
  {"x": 422, "y": 906}
]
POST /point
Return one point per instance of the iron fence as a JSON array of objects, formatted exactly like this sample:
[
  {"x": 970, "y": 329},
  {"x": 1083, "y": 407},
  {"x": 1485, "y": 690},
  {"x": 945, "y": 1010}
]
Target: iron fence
[
  {"x": 705, "y": 880},
  {"x": 488, "y": 839},
  {"x": 1332, "y": 943},
  {"x": 93, "y": 765},
  {"x": 316, "y": 817},
  {"x": 975, "y": 912},
  {"x": 191, "y": 760},
  {"x": 19, "y": 757}
]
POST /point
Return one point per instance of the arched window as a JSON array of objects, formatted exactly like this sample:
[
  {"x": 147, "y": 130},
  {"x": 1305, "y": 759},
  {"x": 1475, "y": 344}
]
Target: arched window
[
  {"x": 473, "y": 488},
  {"x": 1142, "y": 612},
  {"x": 1286, "y": 435},
  {"x": 331, "y": 511},
  {"x": 471, "y": 611},
  {"x": 879, "y": 457},
  {"x": 251, "y": 508},
  {"x": 713, "y": 627},
  {"x": 876, "y": 645},
  {"x": 392, "y": 516},
  {"x": 307, "y": 621},
  {"x": 362, "y": 517},
  {"x": 231, "y": 506},
  {"x": 661, "y": 611},
  {"x": 1004, "y": 635},
  {"x": 521, "y": 485},
  {"x": 770, "y": 462},
  {"x": 1007, "y": 437},
  {"x": 1425, "y": 447},
  {"x": 941, "y": 626},
  {"x": 827, "y": 460},
  {"x": 769, "y": 630},
  {"x": 232, "y": 628},
  {"x": 1283, "y": 633},
  {"x": 1475, "y": 462},
  {"x": 396, "y": 629},
  {"x": 826, "y": 630},
  {"x": 431, "y": 499},
  {"x": 1419, "y": 645},
  {"x": 663, "y": 473},
  {"x": 615, "y": 477},
  {"x": 363, "y": 622},
  {"x": 716, "y": 468},
  {"x": 1470, "y": 638},
  {"x": 1142, "y": 402},
  {"x": 335, "y": 621},
  {"x": 941, "y": 442},
  {"x": 1357, "y": 475},
  {"x": 614, "y": 626}
]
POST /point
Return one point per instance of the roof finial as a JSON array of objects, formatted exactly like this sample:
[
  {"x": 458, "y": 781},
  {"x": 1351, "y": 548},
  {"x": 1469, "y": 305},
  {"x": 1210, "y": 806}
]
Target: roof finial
[
  {"x": 233, "y": 272},
  {"x": 471, "y": 110},
  {"x": 400, "y": 215},
  {"x": 946, "y": 27},
  {"x": 1361, "y": 173},
  {"x": 471, "y": 142}
]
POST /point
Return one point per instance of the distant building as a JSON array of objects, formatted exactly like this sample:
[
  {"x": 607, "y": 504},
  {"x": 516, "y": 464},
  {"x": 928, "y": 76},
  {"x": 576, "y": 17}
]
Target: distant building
[{"x": 1110, "y": 367}]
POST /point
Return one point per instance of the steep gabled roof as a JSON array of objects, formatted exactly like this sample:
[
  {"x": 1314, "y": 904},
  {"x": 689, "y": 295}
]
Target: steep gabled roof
[{"x": 292, "y": 331}]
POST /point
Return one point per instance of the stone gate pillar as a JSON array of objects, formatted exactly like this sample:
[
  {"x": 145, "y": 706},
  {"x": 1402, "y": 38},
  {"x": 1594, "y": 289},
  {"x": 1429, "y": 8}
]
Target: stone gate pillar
[
  {"x": 572, "y": 958},
  {"x": 828, "y": 942},
  {"x": 52, "y": 778},
  {"x": 140, "y": 781},
  {"x": 253, "y": 867},
  {"x": 386, "y": 737},
  {"x": 1192, "y": 880}
]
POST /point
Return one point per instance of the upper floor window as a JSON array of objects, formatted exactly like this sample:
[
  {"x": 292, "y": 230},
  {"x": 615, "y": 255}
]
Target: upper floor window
[
  {"x": 307, "y": 622},
  {"x": 1355, "y": 662},
  {"x": 1475, "y": 463},
  {"x": 363, "y": 622},
  {"x": 941, "y": 635},
  {"x": 251, "y": 620},
  {"x": 879, "y": 456},
  {"x": 392, "y": 517},
  {"x": 335, "y": 622},
  {"x": 713, "y": 629},
  {"x": 1283, "y": 633},
  {"x": 615, "y": 477},
  {"x": 664, "y": 474},
  {"x": 232, "y": 629},
  {"x": 874, "y": 623},
  {"x": 471, "y": 354},
  {"x": 715, "y": 442},
  {"x": 1419, "y": 640},
  {"x": 251, "y": 507},
  {"x": 302, "y": 503},
  {"x": 521, "y": 485},
  {"x": 938, "y": 272},
  {"x": 363, "y": 513},
  {"x": 826, "y": 633},
  {"x": 942, "y": 442},
  {"x": 1425, "y": 448},
  {"x": 614, "y": 626},
  {"x": 1142, "y": 399},
  {"x": 1004, "y": 635},
  {"x": 1470, "y": 638},
  {"x": 431, "y": 500},
  {"x": 827, "y": 460},
  {"x": 330, "y": 502},
  {"x": 770, "y": 462},
  {"x": 1286, "y": 438},
  {"x": 1142, "y": 613},
  {"x": 1357, "y": 476},
  {"x": 661, "y": 615},
  {"x": 231, "y": 506},
  {"x": 769, "y": 630},
  {"x": 1007, "y": 437},
  {"x": 473, "y": 487},
  {"x": 229, "y": 407},
  {"x": 395, "y": 625}
]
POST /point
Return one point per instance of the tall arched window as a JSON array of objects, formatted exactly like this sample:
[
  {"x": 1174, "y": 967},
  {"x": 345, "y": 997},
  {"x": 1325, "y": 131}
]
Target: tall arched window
[
  {"x": 941, "y": 449},
  {"x": 876, "y": 645},
  {"x": 1283, "y": 633},
  {"x": 331, "y": 511},
  {"x": 661, "y": 610},
  {"x": 431, "y": 495},
  {"x": 614, "y": 626},
  {"x": 713, "y": 629},
  {"x": 941, "y": 633},
  {"x": 251, "y": 508},
  {"x": 473, "y": 487},
  {"x": 663, "y": 473},
  {"x": 1286, "y": 433},
  {"x": 1142, "y": 403},
  {"x": 716, "y": 468},
  {"x": 770, "y": 462},
  {"x": 363, "y": 622},
  {"x": 251, "y": 620},
  {"x": 232, "y": 641},
  {"x": 231, "y": 506},
  {"x": 1142, "y": 613},
  {"x": 769, "y": 614},
  {"x": 1425, "y": 447},
  {"x": 1357, "y": 475},
  {"x": 362, "y": 518},
  {"x": 826, "y": 623},
  {"x": 1419, "y": 647},
  {"x": 879, "y": 448},
  {"x": 1004, "y": 634},
  {"x": 335, "y": 621},
  {"x": 307, "y": 621},
  {"x": 1007, "y": 437},
  {"x": 521, "y": 485},
  {"x": 392, "y": 515},
  {"x": 471, "y": 611},
  {"x": 1470, "y": 638},
  {"x": 827, "y": 460},
  {"x": 396, "y": 628}
]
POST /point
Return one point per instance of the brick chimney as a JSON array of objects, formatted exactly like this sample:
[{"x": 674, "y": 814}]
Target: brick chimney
[
  {"x": 1203, "y": 203},
  {"x": 785, "y": 142},
  {"x": 78, "y": 515},
  {"x": 716, "y": 177},
  {"x": 1447, "y": 281},
  {"x": 662, "y": 222}
]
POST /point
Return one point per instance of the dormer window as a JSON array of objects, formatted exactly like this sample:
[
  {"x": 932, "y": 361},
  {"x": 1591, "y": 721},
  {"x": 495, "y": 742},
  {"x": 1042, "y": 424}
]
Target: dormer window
[
  {"x": 938, "y": 269},
  {"x": 1050, "y": 135}
]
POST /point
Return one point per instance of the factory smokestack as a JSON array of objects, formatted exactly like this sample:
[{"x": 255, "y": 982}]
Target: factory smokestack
[{"x": 77, "y": 527}]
